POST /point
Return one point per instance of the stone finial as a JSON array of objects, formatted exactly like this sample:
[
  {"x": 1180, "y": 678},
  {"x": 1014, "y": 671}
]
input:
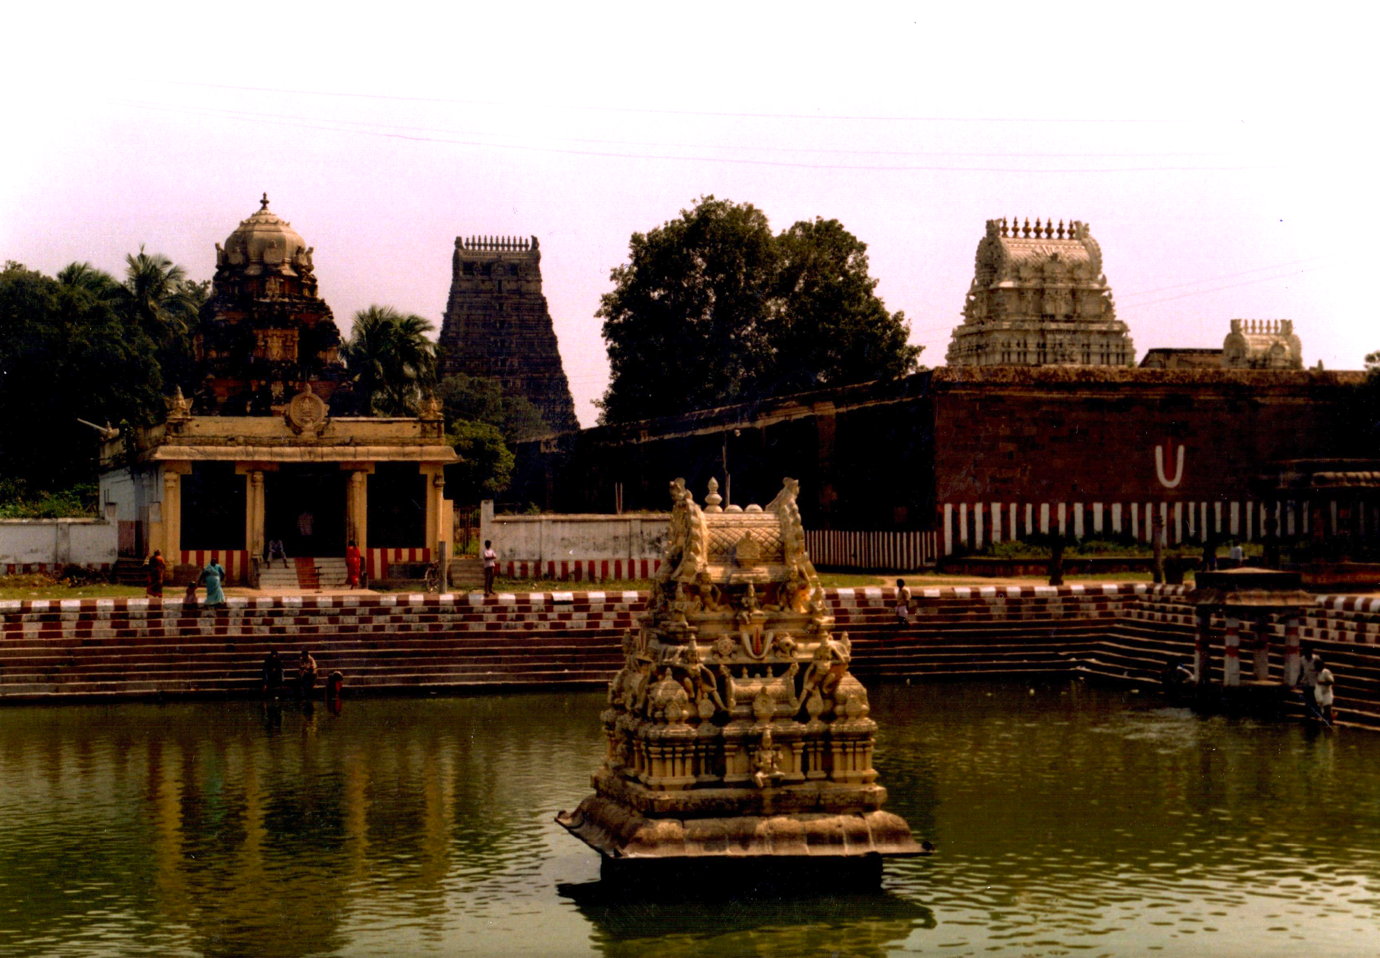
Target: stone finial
[
  {"x": 713, "y": 500},
  {"x": 263, "y": 201}
]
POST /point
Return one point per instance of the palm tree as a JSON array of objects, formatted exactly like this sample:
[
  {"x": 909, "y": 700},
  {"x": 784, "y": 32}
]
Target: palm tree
[
  {"x": 390, "y": 359},
  {"x": 157, "y": 297},
  {"x": 97, "y": 282}
]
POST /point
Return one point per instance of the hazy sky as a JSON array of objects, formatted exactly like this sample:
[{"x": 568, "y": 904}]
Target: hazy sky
[{"x": 1223, "y": 159}]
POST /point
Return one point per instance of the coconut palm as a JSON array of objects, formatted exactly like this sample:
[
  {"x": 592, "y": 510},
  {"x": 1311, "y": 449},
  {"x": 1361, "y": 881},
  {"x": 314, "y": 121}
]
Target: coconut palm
[
  {"x": 157, "y": 297},
  {"x": 391, "y": 360},
  {"x": 97, "y": 282}
]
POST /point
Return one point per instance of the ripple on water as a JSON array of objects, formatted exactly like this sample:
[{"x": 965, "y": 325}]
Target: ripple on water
[{"x": 1079, "y": 822}]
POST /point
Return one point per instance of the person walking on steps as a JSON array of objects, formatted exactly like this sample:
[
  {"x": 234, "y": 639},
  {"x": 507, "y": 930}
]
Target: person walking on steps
[
  {"x": 902, "y": 603},
  {"x": 490, "y": 558}
]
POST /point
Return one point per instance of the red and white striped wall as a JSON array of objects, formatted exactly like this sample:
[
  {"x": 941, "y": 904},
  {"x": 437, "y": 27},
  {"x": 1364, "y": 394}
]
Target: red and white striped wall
[
  {"x": 377, "y": 561},
  {"x": 580, "y": 570},
  {"x": 888, "y": 551},
  {"x": 972, "y": 525},
  {"x": 236, "y": 561}
]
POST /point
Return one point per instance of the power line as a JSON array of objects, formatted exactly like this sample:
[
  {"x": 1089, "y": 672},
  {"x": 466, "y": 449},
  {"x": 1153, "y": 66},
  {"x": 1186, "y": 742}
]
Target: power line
[
  {"x": 1212, "y": 279},
  {"x": 1215, "y": 289},
  {"x": 732, "y": 114},
  {"x": 358, "y": 128}
]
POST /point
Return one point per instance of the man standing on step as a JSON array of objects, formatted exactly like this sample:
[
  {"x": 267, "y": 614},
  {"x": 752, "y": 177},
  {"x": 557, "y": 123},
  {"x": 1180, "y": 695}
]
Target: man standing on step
[{"x": 490, "y": 566}]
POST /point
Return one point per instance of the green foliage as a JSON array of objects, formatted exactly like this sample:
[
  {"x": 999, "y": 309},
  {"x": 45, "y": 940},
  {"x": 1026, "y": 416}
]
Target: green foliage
[
  {"x": 486, "y": 464},
  {"x": 481, "y": 399},
  {"x": 390, "y": 359},
  {"x": 68, "y": 351},
  {"x": 157, "y": 298},
  {"x": 712, "y": 308},
  {"x": 18, "y": 502}
]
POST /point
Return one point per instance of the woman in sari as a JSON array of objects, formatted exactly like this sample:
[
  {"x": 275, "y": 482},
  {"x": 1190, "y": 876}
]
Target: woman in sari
[{"x": 212, "y": 576}]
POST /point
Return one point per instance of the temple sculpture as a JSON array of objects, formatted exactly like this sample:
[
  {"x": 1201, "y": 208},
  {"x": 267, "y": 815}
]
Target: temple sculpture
[
  {"x": 1039, "y": 298},
  {"x": 735, "y": 731},
  {"x": 497, "y": 325}
]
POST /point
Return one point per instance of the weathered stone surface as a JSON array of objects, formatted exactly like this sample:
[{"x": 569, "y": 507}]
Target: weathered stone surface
[
  {"x": 1039, "y": 298},
  {"x": 1262, "y": 344},
  {"x": 735, "y": 727},
  {"x": 497, "y": 325}
]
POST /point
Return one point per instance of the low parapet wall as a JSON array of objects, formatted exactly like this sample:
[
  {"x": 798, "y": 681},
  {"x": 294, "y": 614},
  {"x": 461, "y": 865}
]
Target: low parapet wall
[
  {"x": 50, "y": 545},
  {"x": 58, "y": 650}
]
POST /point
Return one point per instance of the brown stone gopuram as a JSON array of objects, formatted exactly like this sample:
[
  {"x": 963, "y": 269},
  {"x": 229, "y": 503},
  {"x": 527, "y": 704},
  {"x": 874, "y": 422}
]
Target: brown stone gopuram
[
  {"x": 1039, "y": 298},
  {"x": 736, "y": 734},
  {"x": 497, "y": 325}
]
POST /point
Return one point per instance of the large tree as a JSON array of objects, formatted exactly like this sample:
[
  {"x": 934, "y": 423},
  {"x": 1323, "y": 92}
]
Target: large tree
[
  {"x": 67, "y": 353},
  {"x": 482, "y": 399},
  {"x": 390, "y": 359},
  {"x": 713, "y": 308}
]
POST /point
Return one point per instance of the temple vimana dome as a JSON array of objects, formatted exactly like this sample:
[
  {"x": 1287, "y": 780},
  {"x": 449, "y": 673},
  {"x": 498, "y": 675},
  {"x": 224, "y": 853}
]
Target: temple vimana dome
[
  {"x": 1039, "y": 298},
  {"x": 264, "y": 330}
]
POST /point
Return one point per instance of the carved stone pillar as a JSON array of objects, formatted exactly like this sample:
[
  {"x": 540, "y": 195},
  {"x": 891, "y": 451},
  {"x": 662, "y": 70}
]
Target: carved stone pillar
[
  {"x": 1291, "y": 651},
  {"x": 357, "y": 503},
  {"x": 1231, "y": 654},
  {"x": 172, "y": 511},
  {"x": 254, "y": 513},
  {"x": 437, "y": 530}
]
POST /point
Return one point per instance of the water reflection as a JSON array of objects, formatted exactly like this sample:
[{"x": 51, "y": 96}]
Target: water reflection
[
  {"x": 1066, "y": 819},
  {"x": 689, "y": 922}
]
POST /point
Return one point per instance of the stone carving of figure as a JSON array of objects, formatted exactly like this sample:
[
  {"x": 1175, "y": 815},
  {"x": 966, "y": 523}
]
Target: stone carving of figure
[
  {"x": 699, "y": 682},
  {"x": 827, "y": 667},
  {"x": 766, "y": 762},
  {"x": 708, "y": 592},
  {"x": 639, "y": 684},
  {"x": 729, "y": 690}
]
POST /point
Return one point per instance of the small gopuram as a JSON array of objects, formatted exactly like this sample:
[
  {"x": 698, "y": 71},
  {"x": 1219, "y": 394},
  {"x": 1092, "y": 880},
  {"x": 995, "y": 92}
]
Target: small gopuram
[
  {"x": 1262, "y": 344},
  {"x": 268, "y": 446},
  {"x": 1039, "y": 298},
  {"x": 736, "y": 734},
  {"x": 498, "y": 326}
]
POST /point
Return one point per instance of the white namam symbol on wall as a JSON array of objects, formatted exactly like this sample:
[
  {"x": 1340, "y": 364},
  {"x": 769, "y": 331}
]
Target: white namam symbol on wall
[{"x": 1166, "y": 451}]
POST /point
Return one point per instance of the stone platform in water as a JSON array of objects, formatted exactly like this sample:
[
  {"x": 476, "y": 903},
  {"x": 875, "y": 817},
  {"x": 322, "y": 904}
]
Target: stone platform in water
[{"x": 736, "y": 733}]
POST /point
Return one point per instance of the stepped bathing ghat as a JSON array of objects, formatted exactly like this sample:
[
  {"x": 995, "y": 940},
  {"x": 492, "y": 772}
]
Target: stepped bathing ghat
[{"x": 736, "y": 733}]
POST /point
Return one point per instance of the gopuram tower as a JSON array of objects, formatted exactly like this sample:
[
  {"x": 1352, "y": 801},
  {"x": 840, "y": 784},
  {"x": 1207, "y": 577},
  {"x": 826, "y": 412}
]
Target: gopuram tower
[
  {"x": 497, "y": 325},
  {"x": 265, "y": 332},
  {"x": 1039, "y": 298},
  {"x": 738, "y": 741}
]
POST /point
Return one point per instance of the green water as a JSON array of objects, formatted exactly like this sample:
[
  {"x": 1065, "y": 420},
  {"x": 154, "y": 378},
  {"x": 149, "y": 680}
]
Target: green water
[{"x": 1069, "y": 821}]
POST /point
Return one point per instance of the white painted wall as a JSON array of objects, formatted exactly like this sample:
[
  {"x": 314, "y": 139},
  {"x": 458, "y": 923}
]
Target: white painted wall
[
  {"x": 57, "y": 542},
  {"x": 552, "y": 538}
]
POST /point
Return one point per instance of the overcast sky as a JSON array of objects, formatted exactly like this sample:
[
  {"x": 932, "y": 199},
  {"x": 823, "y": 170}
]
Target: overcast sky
[{"x": 1223, "y": 160}]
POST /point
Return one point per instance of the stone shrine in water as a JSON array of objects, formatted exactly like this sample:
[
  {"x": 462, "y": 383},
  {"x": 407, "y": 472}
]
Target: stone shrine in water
[{"x": 736, "y": 734}]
